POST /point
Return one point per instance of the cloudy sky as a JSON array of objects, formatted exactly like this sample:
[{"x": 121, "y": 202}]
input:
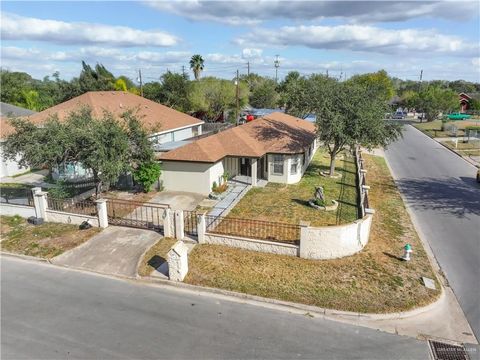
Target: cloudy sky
[{"x": 344, "y": 37}]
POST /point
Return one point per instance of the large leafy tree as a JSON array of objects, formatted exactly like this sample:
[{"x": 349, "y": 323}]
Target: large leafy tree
[
  {"x": 172, "y": 91},
  {"x": 213, "y": 97},
  {"x": 433, "y": 100},
  {"x": 350, "y": 114},
  {"x": 108, "y": 146},
  {"x": 297, "y": 93},
  {"x": 264, "y": 94},
  {"x": 378, "y": 82},
  {"x": 196, "y": 65}
]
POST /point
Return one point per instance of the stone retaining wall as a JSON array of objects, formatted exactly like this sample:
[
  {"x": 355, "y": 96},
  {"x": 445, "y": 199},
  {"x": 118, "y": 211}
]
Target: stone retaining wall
[
  {"x": 251, "y": 244},
  {"x": 67, "y": 218},
  {"x": 334, "y": 241}
]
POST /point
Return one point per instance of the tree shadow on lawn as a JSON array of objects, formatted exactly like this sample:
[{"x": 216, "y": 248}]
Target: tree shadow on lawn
[{"x": 458, "y": 197}]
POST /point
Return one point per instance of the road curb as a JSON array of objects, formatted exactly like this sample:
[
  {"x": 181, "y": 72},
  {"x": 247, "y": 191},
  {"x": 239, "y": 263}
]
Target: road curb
[
  {"x": 328, "y": 313},
  {"x": 234, "y": 296}
]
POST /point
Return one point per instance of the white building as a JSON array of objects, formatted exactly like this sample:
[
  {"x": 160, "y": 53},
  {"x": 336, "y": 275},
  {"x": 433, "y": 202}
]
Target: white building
[
  {"x": 275, "y": 148},
  {"x": 9, "y": 167}
]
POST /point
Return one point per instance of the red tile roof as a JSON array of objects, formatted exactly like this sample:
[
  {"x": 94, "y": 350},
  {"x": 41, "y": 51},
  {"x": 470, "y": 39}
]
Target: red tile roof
[
  {"x": 154, "y": 116},
  {"x": 275, "y": 133}
]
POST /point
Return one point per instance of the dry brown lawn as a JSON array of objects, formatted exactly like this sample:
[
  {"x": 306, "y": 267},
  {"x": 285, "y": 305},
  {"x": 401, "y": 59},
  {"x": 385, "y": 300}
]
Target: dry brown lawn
[
  {"x": 46, "y": 241},
  {"x": 374, "y": 280},
  {"x": 155, "y": 256}
]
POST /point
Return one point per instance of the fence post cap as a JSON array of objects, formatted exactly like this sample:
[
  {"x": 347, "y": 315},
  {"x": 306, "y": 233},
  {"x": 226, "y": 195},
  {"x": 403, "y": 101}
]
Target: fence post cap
[
  {"x": 101, "y": 201},
  {"x": 363, "y": 171},
  {"x": 36, "y": 189},
  {"x": 369, "y": 211},
  {"x": 304, "y": 223},
  {"x": 40, "y": 193},
  {"x": 365, "y": 187}
]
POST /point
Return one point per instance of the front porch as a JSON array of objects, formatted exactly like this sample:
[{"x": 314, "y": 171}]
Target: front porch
[{"x": 247, "y": 170}]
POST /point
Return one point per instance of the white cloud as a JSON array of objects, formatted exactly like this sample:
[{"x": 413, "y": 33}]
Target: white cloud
[
  {"x": 253, "y": 12},
  {"x": 15, "y": 27},
  {"x": 407, "y": 42},
  {"x": 251, "y": 53}
]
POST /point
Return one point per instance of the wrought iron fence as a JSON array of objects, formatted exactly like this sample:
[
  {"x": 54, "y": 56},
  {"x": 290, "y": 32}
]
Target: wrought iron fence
[
  {"x": 136, "y": 214},
  {"x": 190, "y": 222},
  {"x": 84, "y": 207},
  {"x": 16, "y": 196},
  {"x": 255, "y": 229}
]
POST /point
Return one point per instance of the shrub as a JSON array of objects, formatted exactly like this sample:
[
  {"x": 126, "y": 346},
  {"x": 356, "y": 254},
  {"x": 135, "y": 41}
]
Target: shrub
[{"x": 147, "y": 174}]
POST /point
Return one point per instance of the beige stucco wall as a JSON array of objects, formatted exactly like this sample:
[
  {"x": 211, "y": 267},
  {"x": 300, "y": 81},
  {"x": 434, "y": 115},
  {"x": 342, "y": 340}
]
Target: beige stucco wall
[
  {"x": 288, "y": 177},
  {"x": 190, "y": 176},
  {"x": 216, "y": 172},
  {"x": 67, "y": 218},
  {"x": 251, "y": 244},
  {"x": 21, "y": 210},
  {"x": 8, "y": 167},
  {"x": 335, "y": 241}
]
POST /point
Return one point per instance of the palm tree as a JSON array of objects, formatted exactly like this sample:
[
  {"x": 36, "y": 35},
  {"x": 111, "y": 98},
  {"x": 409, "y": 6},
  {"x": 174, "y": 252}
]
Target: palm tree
[{"x": 196, "y": 65}]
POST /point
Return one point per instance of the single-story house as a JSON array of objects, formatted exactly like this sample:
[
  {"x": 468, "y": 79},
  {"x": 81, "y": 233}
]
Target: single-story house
[
  {"x": 276, "y": 148},
  {"x": 8, "y": 167},
  {"x": 163, "y": 123},
  {"x": 466, "y": 99}
]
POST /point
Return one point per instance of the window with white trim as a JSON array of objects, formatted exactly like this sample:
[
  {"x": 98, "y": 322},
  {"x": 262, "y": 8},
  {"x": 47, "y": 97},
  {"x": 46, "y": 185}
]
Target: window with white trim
[
  {"x": 278, "y": 164},
  {"x": 294, "y": 166}
]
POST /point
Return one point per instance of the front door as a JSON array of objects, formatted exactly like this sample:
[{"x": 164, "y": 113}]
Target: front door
[{"x": 245, "y": 168}]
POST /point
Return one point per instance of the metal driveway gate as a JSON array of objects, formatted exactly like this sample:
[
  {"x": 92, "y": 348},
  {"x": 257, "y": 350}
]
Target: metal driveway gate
[{"x": 143, "y": 215}]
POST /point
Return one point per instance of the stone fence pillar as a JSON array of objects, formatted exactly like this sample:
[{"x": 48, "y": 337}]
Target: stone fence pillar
[
  {"x": 102, "y": 213},
  {"x": 40, "y": 203},
  {"x": 201, "y": 228},
  {"x": 177, "y": 259},
  {"x": 167, "y": 223},
  {"x": 304, "y": 248},
  {"x": 179, "y": 225}
]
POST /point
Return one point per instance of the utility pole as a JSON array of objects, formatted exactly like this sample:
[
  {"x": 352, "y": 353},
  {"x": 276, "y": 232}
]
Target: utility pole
[
  {"x": 277, "y": 65},
  {"x": 421, "y": 75},
  {"x": 236, "y": 99},
  {"x": 140, "y": 81},
  {"x": 327, "y": 73},
  {"x": 183, "y": 70},
  {"x": 248, "y": 68}
]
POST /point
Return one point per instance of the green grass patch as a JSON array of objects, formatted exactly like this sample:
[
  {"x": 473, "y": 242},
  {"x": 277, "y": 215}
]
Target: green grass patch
[
  {"x": 46, "y": 241},
  {"x": 374, "y": 280},
  {"x": 288, "y": 203}
]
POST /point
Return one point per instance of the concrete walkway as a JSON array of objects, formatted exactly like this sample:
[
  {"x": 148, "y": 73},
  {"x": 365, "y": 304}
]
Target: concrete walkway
[
  {"x": 222, "y": 207},
  {"x": 116, "y": 250}
]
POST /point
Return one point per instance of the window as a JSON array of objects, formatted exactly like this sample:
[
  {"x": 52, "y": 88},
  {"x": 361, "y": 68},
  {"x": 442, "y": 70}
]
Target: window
[
  {"x": 195, "y": 130},
  {"x": 294, "y": 166},
  {"x": 278, "y": 164}
]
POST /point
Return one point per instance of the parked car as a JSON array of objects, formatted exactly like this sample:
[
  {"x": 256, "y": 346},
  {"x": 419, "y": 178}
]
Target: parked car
[
  {"x": 398, "y": 115},
  {"x": 458, "y": 116}
]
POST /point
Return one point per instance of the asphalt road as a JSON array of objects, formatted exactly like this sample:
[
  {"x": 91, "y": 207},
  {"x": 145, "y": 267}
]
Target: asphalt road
[
  {"x": 441, "y": 190},
  {"x": 55, "y": 313}
]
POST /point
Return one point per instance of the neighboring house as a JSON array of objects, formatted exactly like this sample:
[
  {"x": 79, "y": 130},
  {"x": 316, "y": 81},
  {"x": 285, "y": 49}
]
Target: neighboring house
[
  {"x": 10, "y": 168},
  {"x": 165, "y": 125},
  {"x": 276, "y": 148},
  {"x": 466, "y": 99}
]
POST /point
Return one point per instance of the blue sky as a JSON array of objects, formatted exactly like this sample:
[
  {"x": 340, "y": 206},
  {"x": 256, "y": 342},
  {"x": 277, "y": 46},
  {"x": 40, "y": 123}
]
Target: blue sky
[{"x": 343, "y": 37}]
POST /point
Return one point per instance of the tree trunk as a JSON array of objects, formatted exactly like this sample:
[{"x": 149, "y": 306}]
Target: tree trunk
[{"x": 332, "y": 164}]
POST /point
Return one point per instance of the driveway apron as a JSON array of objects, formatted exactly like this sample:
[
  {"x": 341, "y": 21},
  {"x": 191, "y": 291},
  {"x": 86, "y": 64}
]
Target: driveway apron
[{"x": 116, "y": 250}]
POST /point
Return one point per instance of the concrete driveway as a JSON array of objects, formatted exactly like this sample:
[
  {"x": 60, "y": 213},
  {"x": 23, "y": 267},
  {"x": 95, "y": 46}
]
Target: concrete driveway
[
  {"x": 179, "y": 200},
  {"x": 116, "y": 250}
]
